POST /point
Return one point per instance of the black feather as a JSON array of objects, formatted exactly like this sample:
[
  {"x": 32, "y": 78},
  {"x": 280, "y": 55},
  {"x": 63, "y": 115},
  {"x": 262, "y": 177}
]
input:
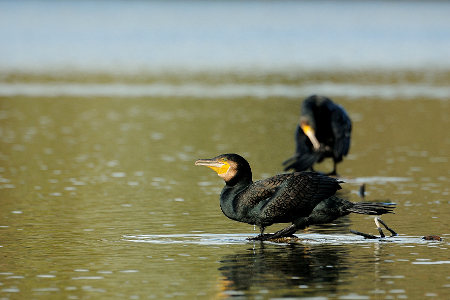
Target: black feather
[
  {"x": 332, "y": 127},
  {"x": 302, "y": 198}
]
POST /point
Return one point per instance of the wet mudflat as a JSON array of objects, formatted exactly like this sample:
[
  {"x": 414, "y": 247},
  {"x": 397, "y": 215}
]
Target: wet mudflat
[{"x": 100, "y": 199}]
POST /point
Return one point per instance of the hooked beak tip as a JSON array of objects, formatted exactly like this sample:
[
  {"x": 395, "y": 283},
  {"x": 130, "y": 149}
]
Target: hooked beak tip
[{"x": 204, "y": 162}]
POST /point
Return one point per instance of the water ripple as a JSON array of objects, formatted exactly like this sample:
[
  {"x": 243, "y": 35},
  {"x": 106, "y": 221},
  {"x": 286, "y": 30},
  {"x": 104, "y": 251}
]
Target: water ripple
[
  {"x": 376, "y": 179},
  {"x": 226, "y": 239}
]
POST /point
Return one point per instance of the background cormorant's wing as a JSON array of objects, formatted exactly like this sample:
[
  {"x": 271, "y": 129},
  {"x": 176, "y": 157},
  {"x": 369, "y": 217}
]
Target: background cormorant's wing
[{"x": 342, "y": 128}]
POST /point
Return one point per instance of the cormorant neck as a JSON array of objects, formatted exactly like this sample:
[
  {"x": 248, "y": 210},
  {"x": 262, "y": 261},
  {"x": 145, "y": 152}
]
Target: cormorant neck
[
  {"x": 229, "y": 200},
  {"x": 240, "y": 179}
]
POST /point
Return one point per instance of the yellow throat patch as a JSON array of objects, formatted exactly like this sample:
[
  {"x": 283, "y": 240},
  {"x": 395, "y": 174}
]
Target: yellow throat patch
[
  {"x": 222, "y": 169},
  {"x": 307, "y": 129}
]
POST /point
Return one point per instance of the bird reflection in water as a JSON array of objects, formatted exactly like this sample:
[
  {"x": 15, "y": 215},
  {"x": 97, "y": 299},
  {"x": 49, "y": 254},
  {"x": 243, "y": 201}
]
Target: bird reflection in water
[{"x": 273, "y": 268}]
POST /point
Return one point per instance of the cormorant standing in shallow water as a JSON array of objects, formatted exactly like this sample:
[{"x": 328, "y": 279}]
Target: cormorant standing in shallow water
[
  {"x": 302, "y": 198},
  {"x": 323, "y": 131}
]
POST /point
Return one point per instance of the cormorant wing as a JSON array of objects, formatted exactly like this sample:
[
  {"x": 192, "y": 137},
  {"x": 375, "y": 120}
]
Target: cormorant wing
[
  {"x": 297, "y": 195},
  {"x": 342, "y": 128},
  {"x": 262, "y": 190}
]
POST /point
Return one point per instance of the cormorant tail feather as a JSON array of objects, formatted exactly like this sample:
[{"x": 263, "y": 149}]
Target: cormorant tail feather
[{"x": 372, "y": 208}]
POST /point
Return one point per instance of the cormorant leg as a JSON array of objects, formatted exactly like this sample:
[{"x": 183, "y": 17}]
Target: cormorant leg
[
  {"x": 334, "y": 172},
  {"x": 379, "y": 227},
  {"x": 261, "y": 236},
  {"x": 393, "y": 233},
  {"x": 377, "y": 222},
  {"x": 366, "y": 235},
  {"x": 285, "y": 232}
]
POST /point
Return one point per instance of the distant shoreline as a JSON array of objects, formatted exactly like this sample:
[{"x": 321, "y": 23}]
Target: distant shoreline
[{"x": 406, "y": 84}]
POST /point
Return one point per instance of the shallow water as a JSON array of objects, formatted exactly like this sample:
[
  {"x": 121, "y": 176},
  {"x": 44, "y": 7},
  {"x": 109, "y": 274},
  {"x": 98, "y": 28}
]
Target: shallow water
[{"x": 100, "y": 199}]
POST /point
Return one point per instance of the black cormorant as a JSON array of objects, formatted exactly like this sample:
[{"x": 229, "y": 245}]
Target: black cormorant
[
  {"x": 300, "y": 198},
  {"x": 323, "y": 131}
]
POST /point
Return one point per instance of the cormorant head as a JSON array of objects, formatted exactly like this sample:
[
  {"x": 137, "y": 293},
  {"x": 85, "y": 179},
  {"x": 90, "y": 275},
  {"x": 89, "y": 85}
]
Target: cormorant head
[
  {"x": 308, "y": 118},
  {"x": 231, "y": 167}
]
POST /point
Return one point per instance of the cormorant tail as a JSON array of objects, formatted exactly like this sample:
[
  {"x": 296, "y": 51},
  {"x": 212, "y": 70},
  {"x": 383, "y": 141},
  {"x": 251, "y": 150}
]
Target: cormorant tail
[{"x": 372, "y": 208}]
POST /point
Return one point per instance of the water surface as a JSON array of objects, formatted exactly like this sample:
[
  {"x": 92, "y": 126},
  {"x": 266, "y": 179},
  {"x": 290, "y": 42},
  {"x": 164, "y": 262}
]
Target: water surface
[{"x": 100, "y": 199}]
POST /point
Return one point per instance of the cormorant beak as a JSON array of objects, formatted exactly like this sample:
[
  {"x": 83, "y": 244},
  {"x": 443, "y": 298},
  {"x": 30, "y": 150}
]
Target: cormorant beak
[
  {"x": 220, "y": 167},
  {"x": 309, "y": 132}
]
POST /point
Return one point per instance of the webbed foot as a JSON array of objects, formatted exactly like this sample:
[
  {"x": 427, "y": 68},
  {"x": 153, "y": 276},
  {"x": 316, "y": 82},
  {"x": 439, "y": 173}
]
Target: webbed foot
[
  {"x": 261, "y": 237},
  {"x": 285, "y": 232}
]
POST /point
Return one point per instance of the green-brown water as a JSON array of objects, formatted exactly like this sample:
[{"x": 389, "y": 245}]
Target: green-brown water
[{"x": 100, "y": 199}]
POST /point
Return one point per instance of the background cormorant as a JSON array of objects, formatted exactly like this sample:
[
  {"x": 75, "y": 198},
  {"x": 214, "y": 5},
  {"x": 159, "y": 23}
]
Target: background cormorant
[
  {"x": 323, "y": 131},
  {"x": 302, "y": 198}
]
